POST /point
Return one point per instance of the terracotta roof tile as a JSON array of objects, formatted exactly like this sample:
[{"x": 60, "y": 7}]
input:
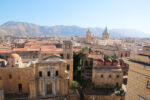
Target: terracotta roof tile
[
  {"x": 80, "y": 37},
  {"x": 76, "y": 50},
  {"x": 94, "y": 56},
  {"x": 5, "y": 51},
  {"x": 52, "y": 50},
  {"x": 25, "y": 49}
]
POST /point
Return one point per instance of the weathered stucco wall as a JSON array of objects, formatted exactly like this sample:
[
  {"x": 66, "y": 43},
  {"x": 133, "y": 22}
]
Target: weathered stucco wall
[
  {"x": 18, "y": 76},
  {"x": 102, "y": 97},
  {"x": 138, "y": 77}
]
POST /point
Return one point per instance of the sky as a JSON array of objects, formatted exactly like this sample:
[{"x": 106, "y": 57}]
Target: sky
[{"x": 115, "y": 14}]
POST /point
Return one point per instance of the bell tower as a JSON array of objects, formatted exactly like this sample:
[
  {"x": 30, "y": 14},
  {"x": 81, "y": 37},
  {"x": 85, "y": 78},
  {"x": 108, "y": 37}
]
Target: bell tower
[
  {"x": 67, "y": 50},
  {"x": 68, "y": 57},
  {"x": 105, "y": 34},
  {"x": 88, "y": 36}
]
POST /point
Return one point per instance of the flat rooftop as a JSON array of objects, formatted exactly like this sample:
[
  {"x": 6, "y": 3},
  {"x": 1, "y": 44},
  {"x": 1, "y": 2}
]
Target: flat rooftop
[{"x": 139, "y": 62}]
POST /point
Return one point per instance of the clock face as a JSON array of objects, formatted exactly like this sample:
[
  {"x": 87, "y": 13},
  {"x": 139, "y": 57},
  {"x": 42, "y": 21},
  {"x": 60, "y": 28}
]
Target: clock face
[{"x": 148, "y": 85}]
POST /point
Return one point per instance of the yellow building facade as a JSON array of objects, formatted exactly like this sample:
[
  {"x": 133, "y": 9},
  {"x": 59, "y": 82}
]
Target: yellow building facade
[{"x": 138, "y": 87}]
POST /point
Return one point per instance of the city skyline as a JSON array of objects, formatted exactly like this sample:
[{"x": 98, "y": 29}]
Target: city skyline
[{"x": 98, "y": 13}]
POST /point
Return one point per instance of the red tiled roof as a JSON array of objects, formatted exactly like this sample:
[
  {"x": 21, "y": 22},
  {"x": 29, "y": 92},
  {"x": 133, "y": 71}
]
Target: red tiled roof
[
  {"x": 76, "y": 50},
  {"x": 95, "y": 56},
  {"x": 42, "y": 42},
  {"x": 41, "y": 47},
  {"x": 15, "y": 56},
  {"x": 25, "y": 49},
  {"x": 52, "y": 50},
  {"x": 80, "y": 37},
  {"x": 5, "y": 51},
  {"x": 48, "y": 47},
  {"x": 4, "y": 47}
]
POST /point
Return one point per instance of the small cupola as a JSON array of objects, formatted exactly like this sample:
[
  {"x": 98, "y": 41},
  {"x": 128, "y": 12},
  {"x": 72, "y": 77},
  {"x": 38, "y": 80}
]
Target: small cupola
[
  {"x": 115, "y": 62},
  {"x": 108, "y": 62},
  {"x": 100, "y": 62}
]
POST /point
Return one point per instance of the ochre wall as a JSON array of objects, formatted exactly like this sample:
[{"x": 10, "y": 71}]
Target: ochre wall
[
  {"x": 138, "y": 77},
  {"x": 19, "y": 75},
  {"x": 107, "y": 82},
  {"x": 102, "y": 97},
  {"x": 145, "y": 59},
  {"x": 70, "y": 71},
  {"x": 64, "y": 98}
]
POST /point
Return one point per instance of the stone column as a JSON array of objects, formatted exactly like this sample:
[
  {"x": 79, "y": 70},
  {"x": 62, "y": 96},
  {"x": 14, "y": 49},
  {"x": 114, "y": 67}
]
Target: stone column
[
  {"x": 44, "y": 88},
  {"x": 54, "y": 86}
]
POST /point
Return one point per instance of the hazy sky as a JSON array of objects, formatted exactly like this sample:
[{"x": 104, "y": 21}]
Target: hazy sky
[{"x": 126, "y": 14}]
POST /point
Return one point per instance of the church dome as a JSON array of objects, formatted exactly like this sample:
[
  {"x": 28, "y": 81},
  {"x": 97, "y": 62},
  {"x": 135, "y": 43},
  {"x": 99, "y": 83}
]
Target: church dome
[{"x": 15, "y": 56}]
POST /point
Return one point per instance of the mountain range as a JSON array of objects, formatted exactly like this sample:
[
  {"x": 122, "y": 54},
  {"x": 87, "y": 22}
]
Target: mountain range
[{"x": 29, "y": 29}]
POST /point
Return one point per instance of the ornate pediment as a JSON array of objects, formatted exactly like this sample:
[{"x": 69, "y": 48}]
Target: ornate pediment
[{"x": 53, "y": 57}]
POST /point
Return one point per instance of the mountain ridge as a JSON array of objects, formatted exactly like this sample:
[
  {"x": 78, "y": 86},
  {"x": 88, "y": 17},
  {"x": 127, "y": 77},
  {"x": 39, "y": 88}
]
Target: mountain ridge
[{"x": 30, "y": 29}]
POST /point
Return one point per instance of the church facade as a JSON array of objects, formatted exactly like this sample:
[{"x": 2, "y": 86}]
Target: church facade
[{"x": 47, "y": 77}]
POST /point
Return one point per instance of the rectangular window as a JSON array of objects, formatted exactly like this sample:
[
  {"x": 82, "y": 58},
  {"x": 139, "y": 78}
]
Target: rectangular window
[
  {"x": 10, "y": 76},
  {"x": 102, "y": 76},
  {"x": 56, "y": 73},
  {"x": 148, "y": 84},
  {"x": 62, "y": 56},
  {"x": 48, "y": 73},
  {"x": 86, "y": 63},
  {"x": 68, "y": 56},
  {"x": 68, "y": 67},
  {"x": 20, "y": 87},
  {"x": 109, "y": 76},
  {"x": 40, "y": 73},
  {"x": 91, "y": 63},
  {"x": 117, "y": 76}
]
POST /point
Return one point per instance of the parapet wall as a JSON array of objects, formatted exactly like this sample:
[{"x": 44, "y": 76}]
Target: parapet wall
[
  {"x": 102, "y": 97},
  {"x": 141, "y": 58},
  {"x": 64, "y": 98}
]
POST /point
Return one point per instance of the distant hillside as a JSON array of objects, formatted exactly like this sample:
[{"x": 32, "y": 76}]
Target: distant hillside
[{"x": 29, "y": 29}]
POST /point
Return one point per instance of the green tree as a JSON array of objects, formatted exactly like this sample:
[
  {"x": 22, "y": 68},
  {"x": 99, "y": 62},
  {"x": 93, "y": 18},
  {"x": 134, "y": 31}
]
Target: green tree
[
  {"x": 108, "y": 57},
  {"x": 74, "y": 84}
]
